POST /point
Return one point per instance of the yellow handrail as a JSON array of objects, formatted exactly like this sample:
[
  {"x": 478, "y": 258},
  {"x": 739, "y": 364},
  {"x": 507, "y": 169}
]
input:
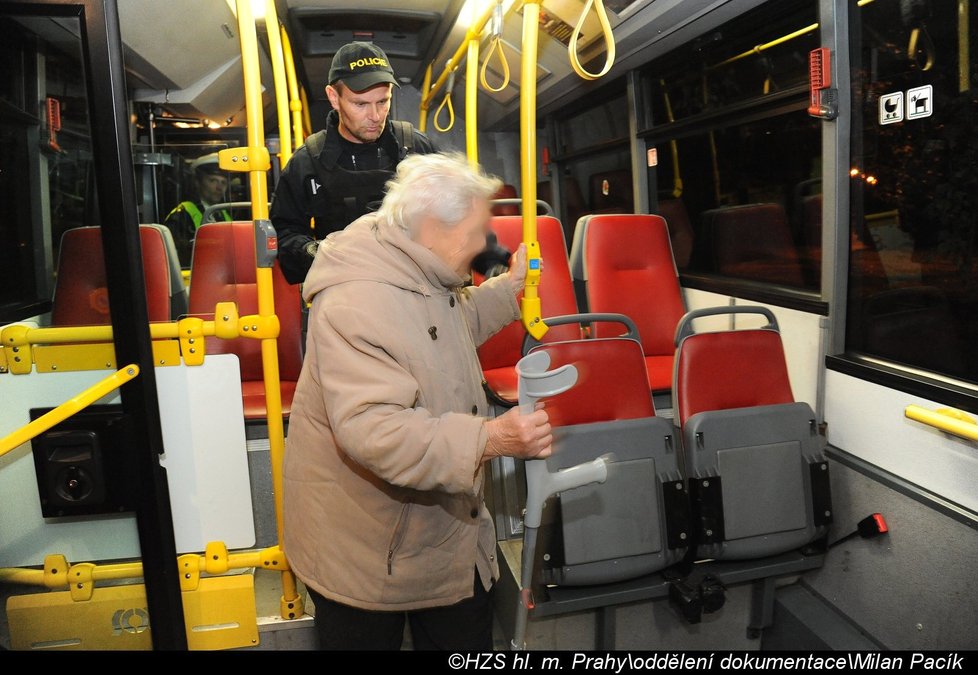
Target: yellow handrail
[
  {"x": 677, "y": 180},
  {"x": 229, "y": 326},
  {"x": 295, "y": 103},
  {"x": 306, "y": 120},
  {"x": 423, "y": 112},
  {"x": 56, "y": 570},
  {"x": 530, "y": 304},
  {"x": 68, "y": 408},
  {"x": 946, "y": 419},
  {"x": 280, "y": 80},
  {"x": 471, "y": 103},
  {"x": 266, "y": 300},
  {"x": 472, "y": 33}
]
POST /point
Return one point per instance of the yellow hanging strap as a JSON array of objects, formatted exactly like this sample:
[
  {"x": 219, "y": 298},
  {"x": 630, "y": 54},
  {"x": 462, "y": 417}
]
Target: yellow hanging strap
[
  {"x": 927, "y": 49},
  {"x": 609, "y": 40},
  {"x": 494, "y": 46},
  {"x": 447, "y": 101}
]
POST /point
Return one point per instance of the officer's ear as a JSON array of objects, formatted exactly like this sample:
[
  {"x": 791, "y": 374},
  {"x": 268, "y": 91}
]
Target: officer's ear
[{"x": 333, "y": 95}]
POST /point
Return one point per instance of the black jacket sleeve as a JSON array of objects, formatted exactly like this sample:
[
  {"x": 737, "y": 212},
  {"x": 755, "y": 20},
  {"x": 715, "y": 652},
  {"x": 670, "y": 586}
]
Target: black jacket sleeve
[{"x": 290, "y": 217}]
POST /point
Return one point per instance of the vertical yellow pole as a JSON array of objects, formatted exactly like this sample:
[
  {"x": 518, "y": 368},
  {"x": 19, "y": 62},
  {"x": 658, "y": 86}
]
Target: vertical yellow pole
[
  {"x": 266, "y": 300},
  {"x": 471, "y": 102},
  {"x": 530, "y": 305},
  {"x": 306, "y": 120},
  {"x": 423, "y": 110},
  {"x": 281, "y": 86},
  {"x": 295, "y": 103}
]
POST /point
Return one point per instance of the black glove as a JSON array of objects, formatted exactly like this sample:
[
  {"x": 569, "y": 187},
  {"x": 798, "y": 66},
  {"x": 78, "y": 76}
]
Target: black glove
[{"x": 493, "y": 260}]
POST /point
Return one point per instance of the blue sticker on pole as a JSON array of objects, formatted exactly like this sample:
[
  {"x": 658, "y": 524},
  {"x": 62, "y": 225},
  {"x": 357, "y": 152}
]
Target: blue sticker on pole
[{"x": 534, "y": 263}]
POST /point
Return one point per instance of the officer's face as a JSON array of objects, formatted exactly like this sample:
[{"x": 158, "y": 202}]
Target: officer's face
[
  {"x": 212, "y": 188},
  {"x": 362, "y": 113}
]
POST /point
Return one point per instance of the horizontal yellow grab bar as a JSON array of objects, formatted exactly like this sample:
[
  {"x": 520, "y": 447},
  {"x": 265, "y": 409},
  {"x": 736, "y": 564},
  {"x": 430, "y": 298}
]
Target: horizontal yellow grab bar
[
  {"x": 952, "y": 421},
  {"x": 269, "y": 558}
]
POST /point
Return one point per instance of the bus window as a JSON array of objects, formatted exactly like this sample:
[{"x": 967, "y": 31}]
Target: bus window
[
  {"x": 734, "y": 143},
  {"x": 913, "y": 187},
  {"x": 46, "y": 169}
]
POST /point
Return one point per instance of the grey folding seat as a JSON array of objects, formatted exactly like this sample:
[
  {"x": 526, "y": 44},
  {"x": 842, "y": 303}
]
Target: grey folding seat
[{"x": 753, "y": 456}]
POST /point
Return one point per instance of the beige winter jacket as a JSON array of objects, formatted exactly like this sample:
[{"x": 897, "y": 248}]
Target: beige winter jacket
[{"x": 383, "y": 485}]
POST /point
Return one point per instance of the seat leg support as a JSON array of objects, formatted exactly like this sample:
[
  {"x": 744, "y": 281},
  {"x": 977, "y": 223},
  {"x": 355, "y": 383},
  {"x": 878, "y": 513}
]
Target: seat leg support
[
  {"x": 761, "y": 606},
  {"x": 604, "y": 628}
]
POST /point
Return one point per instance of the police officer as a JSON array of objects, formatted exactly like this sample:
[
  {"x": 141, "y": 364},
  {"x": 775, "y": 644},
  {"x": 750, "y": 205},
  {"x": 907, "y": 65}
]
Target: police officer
[
  {"x": 340, "y": 172},
  {"x": 186, "y": 217}
]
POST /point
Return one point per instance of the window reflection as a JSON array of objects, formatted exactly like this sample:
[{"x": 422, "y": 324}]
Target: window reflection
[{"x": 913, "y": 186}]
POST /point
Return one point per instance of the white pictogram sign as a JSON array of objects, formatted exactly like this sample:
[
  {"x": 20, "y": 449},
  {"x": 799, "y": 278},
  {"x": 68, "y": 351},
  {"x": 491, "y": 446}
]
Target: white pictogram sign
[
  {"x": 891, "y": 107},
  {"x": 920, "y": 102}
]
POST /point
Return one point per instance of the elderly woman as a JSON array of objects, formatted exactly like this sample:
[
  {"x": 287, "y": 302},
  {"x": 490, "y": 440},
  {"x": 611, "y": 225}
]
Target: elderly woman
[{"x": 383, "y": 479}]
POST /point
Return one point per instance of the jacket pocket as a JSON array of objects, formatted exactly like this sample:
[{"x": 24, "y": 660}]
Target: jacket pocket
[{"x": 400, "y": 528}]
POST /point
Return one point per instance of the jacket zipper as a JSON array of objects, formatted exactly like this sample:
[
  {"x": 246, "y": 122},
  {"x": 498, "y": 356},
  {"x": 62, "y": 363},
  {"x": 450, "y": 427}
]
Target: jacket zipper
[{"x": 397, "y": 537}]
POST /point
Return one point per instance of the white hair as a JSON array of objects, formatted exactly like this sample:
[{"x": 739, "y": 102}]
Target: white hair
[{"x": 441, "y": 185}]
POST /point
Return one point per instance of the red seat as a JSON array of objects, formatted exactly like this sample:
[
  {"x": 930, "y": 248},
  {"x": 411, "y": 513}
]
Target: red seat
[
  {"x": 223, "y": 270},
  {"x": 752, "y": 455},
  {"x": 80, "y": 295},
  {"x": 627, "y": 265},
  {"x": 500, "y": 353}
]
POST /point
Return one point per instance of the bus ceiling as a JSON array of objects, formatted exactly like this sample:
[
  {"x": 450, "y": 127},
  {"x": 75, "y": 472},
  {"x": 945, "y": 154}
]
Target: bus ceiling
[{"x": 195, "y": 70}]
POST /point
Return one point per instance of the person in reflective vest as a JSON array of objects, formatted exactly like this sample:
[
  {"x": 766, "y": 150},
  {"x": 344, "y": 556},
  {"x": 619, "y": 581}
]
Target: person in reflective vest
[{"x": 212, "y": 187}]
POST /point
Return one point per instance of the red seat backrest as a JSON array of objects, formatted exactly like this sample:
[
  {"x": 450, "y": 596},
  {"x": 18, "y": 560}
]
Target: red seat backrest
[
  {"x": 730, "y": 369},
  {"x": 630, "y": 271},
  {"x": 556, "y": 292},
  {"x": 223, "y": 270},
  {"x": 80, "y": 294}
]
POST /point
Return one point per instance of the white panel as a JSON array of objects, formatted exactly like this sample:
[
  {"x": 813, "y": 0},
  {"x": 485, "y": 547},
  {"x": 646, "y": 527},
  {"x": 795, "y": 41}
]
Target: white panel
[
  {"x": 868, "y": 421},
  {"x": 206, "y": 457},
  {"x": 206, "y": 454}
]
